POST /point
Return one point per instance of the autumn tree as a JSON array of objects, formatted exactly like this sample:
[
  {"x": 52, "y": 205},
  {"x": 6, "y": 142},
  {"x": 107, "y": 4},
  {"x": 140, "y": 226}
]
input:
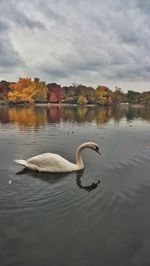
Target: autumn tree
[
  {"x": 82, "y": 100},
  {"x": 87, "y": 92},
  {"x": 41, "y": 91},
  {"x": 22, "y": 91},
  {"x": 4, "y": 89},
  {"x": 69, "y": 94},
  {"x": 55, "y": 93},
  {"x": 103, "y": 95},
  {"x": 91, "y": 95},
  {"x": 145, "y": 98},
  {"x": 27, "y": 90},
  {"x": 72, "y": 93}
]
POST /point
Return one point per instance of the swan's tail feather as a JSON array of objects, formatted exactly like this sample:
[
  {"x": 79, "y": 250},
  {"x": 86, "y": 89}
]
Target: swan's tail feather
[{"x": 22, "y": 162}]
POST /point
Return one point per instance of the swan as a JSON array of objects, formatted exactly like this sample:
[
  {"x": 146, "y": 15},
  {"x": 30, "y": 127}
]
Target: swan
[{"x": 54, "y": 163}]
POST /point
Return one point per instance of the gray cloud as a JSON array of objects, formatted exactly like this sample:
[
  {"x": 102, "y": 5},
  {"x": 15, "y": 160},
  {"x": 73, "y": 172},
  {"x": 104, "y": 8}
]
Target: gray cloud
[
  {"x": 144, "y": 5},
  {"x": 52, "y": 72},
  {"x": 3, "y": 26},
  {"x": 82, "y": 41},
  {"x": 8, "y": 56},
  {"x": 23, "y": 21},
  {"x": 17, "y": 14}
]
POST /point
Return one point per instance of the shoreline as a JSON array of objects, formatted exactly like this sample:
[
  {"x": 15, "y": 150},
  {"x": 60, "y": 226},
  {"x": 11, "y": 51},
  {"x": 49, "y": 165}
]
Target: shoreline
[{"x": 72, "y": 104}]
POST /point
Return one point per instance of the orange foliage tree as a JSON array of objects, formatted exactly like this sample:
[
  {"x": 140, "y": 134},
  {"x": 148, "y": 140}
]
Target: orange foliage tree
[
  {"x": 22, "y": 91},
  {"x": 103, "y": 95},
  {"x": 26, "y": 90}
]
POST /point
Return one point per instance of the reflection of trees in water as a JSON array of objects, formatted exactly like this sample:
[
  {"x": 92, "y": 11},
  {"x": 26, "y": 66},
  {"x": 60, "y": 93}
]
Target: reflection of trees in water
[
  {"x": 141, "y": 112},
  {"x": 27, "y": 117},
  {"x": 118, "y": 113},
  {"x": 103, "y": 115},
  {"x": 146, "y": 113},
  {"x": 56, "y": 114},
  {"x": 4, "y": 118},
  {"x": 100, "y": 115},
  {"x": 82, "y": 113},
  {"x": 79, "y": 114},
  {"x": 35, "y": 117}
]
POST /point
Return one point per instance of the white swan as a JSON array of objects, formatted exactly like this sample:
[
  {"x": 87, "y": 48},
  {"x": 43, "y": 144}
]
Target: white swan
[{"x": 50, "y": 162}]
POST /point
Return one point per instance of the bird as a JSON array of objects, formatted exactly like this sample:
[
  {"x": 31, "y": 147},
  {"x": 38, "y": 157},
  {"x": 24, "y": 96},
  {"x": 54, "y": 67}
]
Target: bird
[{"x": 54, "y": 163}]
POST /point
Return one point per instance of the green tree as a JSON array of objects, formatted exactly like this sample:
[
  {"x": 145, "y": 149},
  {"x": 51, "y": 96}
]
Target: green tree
[
  {"x": 133, "y": 97},
  {"x": 118, "y": 96}
]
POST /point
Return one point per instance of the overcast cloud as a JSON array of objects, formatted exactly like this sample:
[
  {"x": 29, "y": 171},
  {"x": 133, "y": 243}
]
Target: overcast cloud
[{"x": 83, "y": 41}]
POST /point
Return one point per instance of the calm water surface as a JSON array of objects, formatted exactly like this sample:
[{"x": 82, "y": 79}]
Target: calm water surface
[{"x": 100, "y": 216}]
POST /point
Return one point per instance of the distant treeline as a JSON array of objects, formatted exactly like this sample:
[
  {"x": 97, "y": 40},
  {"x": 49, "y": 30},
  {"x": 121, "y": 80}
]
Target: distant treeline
[{"x": 27, "y": 90}]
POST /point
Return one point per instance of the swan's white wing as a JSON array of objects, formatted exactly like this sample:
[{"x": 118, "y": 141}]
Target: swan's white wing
[
  {"x": 45, "y": 159},
  {"x": 50, "y": 162}
]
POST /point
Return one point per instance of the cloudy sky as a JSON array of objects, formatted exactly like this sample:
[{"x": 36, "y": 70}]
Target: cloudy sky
[{"x": 82, "y": 41}]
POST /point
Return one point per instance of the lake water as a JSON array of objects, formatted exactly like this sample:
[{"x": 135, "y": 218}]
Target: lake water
[{"x": 100, "y": 216}]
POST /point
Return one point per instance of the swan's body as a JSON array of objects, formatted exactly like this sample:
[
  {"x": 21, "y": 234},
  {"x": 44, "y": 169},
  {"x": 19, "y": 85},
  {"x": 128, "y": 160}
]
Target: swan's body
[{"x": 50, "y": 162}]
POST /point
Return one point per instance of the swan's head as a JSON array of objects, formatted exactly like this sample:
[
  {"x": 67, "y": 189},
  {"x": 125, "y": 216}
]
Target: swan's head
[{"x": 94, "y": 146}]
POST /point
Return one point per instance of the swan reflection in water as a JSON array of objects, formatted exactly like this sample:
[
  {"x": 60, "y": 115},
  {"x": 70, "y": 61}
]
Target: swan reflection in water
[
  {"x": 87, "y": 188},
  {"x": 54, "y": 178}
]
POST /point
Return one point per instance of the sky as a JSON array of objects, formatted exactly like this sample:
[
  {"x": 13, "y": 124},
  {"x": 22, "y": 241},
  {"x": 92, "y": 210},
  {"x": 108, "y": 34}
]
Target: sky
[{"x": 77, "y": 41}]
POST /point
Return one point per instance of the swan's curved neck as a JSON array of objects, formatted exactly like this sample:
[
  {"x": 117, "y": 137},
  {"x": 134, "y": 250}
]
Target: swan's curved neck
[{"x": 79, "y": 160}]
